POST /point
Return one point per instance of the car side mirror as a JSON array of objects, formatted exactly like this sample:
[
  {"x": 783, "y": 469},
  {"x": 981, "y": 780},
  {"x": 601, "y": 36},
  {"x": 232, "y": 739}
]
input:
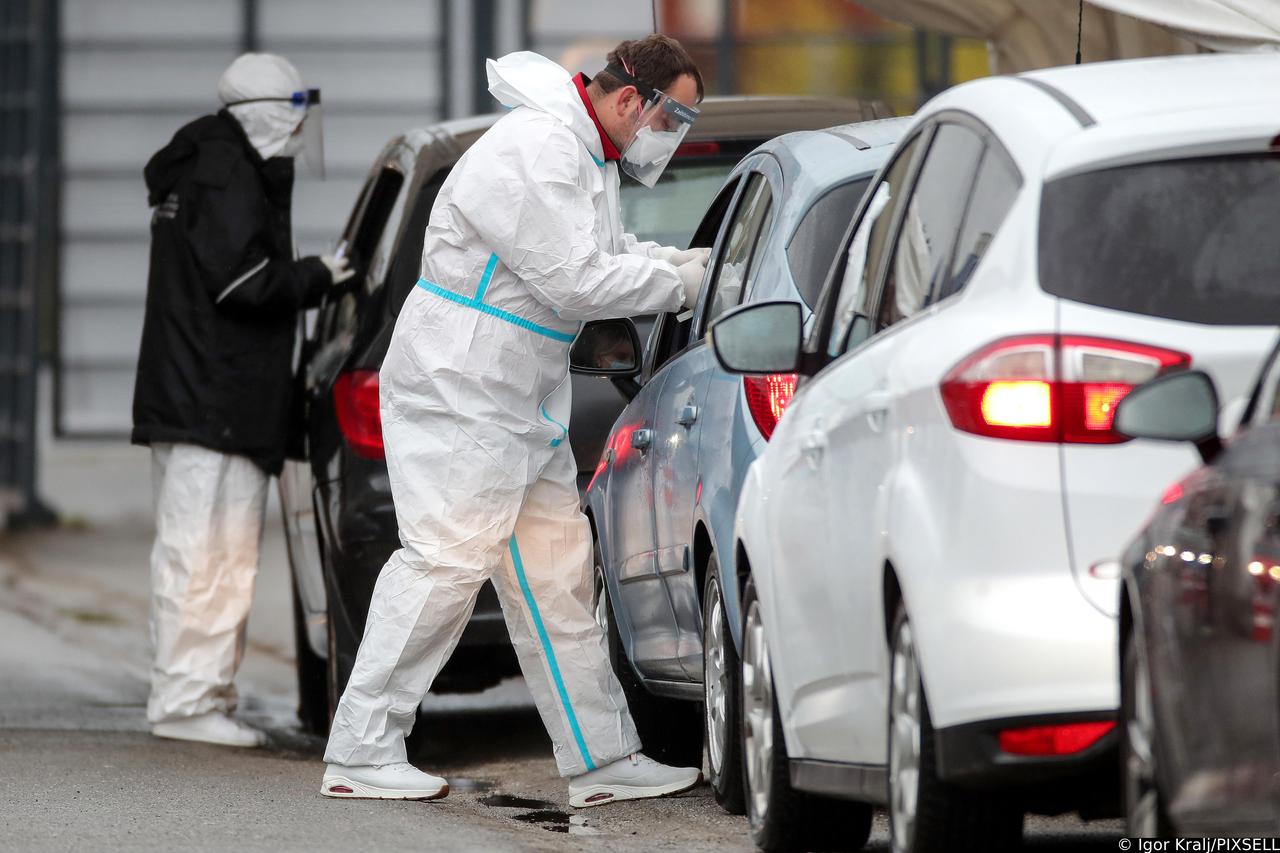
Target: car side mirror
[
  {"x": 764, "y": 337},
  {"x": 1181, "y": 406},
  {"x": 606, "y": 348}
]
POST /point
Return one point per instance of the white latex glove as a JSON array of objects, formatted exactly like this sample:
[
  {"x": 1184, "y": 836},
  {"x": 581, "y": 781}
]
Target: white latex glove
[
  {"x": 677, "y": 257},
  {"x": 339, "y": 269},
  {"x": 691, "y": 275}
]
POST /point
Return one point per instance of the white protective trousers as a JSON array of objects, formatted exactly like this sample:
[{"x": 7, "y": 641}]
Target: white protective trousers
[
  {"x": 209, "y": 514},
  {"x": 524, "y": 243}
]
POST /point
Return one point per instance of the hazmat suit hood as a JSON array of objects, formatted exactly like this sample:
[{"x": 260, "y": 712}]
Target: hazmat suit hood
[
  {"x": 527, "y": 79},
  {"x": 268, "y": 124}
]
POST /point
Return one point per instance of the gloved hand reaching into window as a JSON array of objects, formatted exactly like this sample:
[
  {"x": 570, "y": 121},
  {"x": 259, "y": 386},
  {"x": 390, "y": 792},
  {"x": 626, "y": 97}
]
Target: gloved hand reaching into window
[
  {"x": 691, "y": 275},
  {"x": 677, "y": 257}
]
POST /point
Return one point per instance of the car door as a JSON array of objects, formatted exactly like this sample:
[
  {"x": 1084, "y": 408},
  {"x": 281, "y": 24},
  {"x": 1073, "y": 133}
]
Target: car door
[
  {"x": 682, "y": 402},
  {"x": 806, "y": 615},
  {"x": 642, "y": 604},
  {"x": 321, "y": 344},
  {"x": 1221, "y": 568},
  {"x": 858, "y": 441}
]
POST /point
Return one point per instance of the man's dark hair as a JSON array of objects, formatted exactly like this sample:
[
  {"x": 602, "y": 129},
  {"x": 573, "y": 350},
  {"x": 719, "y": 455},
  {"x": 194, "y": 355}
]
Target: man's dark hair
[{"x": 657, "y": 60}]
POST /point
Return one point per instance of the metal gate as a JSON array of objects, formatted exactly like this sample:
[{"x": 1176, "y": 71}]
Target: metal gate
[{"x": 28, "y": 157}]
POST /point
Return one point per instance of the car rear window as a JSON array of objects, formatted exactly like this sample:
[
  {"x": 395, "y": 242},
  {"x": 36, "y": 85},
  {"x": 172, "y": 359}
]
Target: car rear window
[
  {"x": 813, "y": 246},
  {"x": 1192, "y": 240}
]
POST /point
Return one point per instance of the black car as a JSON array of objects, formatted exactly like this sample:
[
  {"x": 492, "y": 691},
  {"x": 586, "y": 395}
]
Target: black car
[
  {"x": 339, "y": 516},
  {"x": 1200, "y": 656}
]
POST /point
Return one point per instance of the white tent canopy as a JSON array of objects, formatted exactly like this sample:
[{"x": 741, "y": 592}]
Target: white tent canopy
[{"x": 1025, "y": 34}]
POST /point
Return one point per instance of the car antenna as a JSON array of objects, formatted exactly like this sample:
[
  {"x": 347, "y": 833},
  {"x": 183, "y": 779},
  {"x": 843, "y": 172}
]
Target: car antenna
[{"x": 1079, "y": 30}]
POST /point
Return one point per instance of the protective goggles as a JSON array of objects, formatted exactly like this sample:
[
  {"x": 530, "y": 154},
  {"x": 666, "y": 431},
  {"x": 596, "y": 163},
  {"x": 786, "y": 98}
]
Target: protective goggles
[
  {"x": 660, "y": 128},
  {"x": 312, "y": 124}
]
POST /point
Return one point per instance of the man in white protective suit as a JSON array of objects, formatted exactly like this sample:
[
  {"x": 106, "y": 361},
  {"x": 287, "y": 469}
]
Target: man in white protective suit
[{"x": 524, "y": 244}]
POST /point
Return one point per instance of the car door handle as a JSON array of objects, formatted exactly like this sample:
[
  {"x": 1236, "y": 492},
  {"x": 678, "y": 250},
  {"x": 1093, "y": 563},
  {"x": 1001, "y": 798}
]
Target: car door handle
[
  {"x": 687, "y": 416},
  {"x": 814, "y": 447},
  {"x": 641, "y": 439},
  {"x": 877, "y": 406}
]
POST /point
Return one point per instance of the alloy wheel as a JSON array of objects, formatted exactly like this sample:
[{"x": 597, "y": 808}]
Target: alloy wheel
[
  {"x": 1141, "y": 795},
  {"x": 904, "y": 739},
  {"x": 757, "y": 714},
  {"x": 715, "y": 678}
]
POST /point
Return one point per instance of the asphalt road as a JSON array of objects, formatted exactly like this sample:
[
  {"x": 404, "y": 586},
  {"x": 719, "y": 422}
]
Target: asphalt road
[{"x": 78, "y": 769}]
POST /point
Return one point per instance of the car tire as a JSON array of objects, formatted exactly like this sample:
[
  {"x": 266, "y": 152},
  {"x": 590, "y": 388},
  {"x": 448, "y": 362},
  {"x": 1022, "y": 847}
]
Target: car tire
[
  {"x": 313, "y": 674},
  {"x": 782, "y": 818},
  {"x": 927, "y": 815},
  {"x": 721, "y": 702},
  {"x": 1146, "y": 815},
  {"x": 670, "y": 729}
]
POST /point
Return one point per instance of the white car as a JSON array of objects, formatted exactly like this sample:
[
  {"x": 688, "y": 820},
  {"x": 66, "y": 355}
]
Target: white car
[{"x": 928, "y": 543}]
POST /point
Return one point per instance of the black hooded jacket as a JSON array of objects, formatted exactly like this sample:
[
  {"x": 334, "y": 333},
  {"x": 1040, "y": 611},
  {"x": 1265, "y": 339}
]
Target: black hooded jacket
[{"x": 223, "y": 296}]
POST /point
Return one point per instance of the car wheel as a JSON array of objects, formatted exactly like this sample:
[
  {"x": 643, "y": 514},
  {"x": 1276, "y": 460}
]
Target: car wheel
[
  {"x": 670, "y": 729},
  {"x": 926, "y": 815},
  {"x": 313, "y": 675},
  {"x": 722, "y": 705},
  {"x": 782, "y": 818},
  {"x": 1145, "y": 814}
]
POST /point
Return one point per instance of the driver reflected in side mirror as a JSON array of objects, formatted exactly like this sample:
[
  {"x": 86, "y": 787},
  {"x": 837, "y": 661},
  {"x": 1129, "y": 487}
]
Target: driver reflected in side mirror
[{"x": 606, "y": 348}]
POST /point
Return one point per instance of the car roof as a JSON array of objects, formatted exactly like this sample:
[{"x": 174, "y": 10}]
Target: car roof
[
  {"x": 727, "y": 118},
  {"x": 831, "y": 153},
  {"x": 1064, "y": 120},
  {"x": 1126, "y": 89}
]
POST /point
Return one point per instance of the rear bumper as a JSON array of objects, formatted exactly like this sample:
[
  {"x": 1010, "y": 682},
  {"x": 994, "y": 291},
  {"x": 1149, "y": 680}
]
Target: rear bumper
[{"x": 969, "y": 755}]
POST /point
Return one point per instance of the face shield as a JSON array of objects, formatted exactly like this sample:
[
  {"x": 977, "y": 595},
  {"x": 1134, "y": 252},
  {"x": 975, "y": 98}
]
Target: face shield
[
  {"x": 660, "y": 128},
  {"x": 308, "y": 137}
]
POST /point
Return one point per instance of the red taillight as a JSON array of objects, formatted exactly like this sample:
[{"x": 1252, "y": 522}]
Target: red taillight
[
  {"x": 1058, "y": 388},
  {"x": 355, "y": 400},
  {"x": 767, "y": 399},
  {"x": 1066, "y": 739}
]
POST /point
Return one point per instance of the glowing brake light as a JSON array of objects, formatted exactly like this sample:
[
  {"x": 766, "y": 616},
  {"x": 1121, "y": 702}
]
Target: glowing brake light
[
  {"x": 1054, "y": 388},
  {"x": 1066, "y": 739},
  {"x": 355, "y": 401},
  {"x": 767, "y": 398},
  {"x": 1017, "y": 404}
]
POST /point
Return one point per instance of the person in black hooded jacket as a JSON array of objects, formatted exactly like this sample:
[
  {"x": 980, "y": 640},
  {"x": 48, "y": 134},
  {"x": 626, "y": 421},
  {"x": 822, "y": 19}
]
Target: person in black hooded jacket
[{"x": 212, "y": 397}]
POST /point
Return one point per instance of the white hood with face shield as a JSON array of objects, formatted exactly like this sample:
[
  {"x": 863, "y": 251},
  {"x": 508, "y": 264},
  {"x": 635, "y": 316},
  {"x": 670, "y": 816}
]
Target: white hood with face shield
[{"x": 268, "y": 124}]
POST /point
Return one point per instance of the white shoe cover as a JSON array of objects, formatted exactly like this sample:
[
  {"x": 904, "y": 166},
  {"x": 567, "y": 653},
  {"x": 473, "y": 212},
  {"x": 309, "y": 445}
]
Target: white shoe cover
[
  {"x": 384, "y": 782},
  {"x": 635, "y": 777},
  {"x": 213, "y": 727}
]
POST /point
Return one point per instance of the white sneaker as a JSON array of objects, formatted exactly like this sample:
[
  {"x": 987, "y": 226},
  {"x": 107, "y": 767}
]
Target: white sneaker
[
  {"x": 213, "y": 727},
  {"x": 635, "y": 777},
  {"x": 382, "y": 782}
]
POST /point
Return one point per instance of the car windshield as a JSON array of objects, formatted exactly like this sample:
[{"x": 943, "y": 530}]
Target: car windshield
[
  {"x": 1189, "y": 240},
  {"x": 669, "y": 213}
]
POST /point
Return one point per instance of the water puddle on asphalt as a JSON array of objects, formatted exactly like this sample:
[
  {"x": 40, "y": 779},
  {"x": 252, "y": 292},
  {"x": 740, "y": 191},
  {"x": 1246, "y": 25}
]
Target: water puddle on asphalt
[
  {"x": 507, "y": 801},
  {"x": 541, "y": 813},
  {"x": 549, "y": 819},
  {"x": 463, "y": 785}
]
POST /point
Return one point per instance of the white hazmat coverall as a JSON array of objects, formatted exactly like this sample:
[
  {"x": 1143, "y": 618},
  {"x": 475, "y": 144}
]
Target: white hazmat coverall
[{"x": 524, "y": 243}]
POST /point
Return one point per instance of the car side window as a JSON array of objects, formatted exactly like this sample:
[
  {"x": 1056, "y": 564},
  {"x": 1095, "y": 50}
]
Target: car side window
[
  {"x": 814, "y": 243},
  {"x": 750, "y": 222},
  {"x": 930, "y": 223},
  {"x": 993, "y": 194},
  {"x": 670, "y": 336},
  {"x": 850, "y": 312}
]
